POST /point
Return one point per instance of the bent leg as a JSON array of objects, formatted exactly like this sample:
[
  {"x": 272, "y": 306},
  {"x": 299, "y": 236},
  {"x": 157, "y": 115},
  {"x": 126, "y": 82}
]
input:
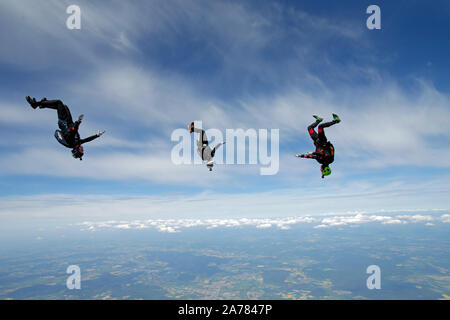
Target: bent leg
[
  {"x": 202, "y": 139},
  {"x": 63, "y": 110},
  {"x": 311, "y": 131},
  {"x": 321, "y": 130},
  {"x": 327, "y": 124}
]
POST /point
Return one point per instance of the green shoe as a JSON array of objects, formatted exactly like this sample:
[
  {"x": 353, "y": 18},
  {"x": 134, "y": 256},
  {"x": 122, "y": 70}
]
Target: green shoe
[
  {"x": 317, "y": 118},
  {"x": 336, "y": 118}
]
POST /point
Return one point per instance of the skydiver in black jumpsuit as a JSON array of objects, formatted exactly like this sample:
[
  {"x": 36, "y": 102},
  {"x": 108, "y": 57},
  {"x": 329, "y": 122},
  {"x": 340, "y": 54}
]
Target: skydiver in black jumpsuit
[{"x": 68, "y": 134}]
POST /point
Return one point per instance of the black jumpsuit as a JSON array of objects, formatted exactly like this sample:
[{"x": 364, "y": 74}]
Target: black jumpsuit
[{"x": 69, "y": 129}]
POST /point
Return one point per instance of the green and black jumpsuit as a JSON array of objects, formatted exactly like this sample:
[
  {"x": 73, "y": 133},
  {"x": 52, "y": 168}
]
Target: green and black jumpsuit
[{"x": 324, "y": 153}]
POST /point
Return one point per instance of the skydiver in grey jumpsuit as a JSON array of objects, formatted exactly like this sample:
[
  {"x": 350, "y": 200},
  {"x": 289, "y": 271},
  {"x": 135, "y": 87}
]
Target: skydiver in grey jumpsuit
[{"x": 203, "y": 149}]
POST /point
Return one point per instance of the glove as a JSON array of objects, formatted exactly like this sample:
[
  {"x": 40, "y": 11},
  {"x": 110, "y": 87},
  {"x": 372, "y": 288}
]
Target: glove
[
  {"x": 99, "y": 133},
  {"x": 80, "y": 117}
]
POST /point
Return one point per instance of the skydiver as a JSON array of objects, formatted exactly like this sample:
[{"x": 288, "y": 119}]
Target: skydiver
[
  {"x": 203, "y": 149},
  {"x": 68, "y": 134},
  {"x": 324, "y": 153}
]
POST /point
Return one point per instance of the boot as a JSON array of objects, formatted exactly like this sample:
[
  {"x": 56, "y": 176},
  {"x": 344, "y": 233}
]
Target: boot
[
  {"x": 32, "y": 101},
  {"x": 318, "y": 118},
  {"x": 336, "y": 118}
]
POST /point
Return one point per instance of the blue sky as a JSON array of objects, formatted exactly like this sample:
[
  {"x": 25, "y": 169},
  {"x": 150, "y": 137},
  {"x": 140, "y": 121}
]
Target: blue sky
[{"x": 140, "y": 70}]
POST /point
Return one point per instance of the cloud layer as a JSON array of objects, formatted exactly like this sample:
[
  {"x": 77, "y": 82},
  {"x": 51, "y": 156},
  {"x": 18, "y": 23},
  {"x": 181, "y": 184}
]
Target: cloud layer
[{"x": 177, "y": 225}]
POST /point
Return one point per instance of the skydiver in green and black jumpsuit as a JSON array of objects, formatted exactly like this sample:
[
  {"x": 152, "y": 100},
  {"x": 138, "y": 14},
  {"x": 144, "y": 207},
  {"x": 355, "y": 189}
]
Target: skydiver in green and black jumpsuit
[{"x": 324, "y": 153}]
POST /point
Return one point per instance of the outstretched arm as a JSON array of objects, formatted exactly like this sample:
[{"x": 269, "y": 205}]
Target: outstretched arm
[
  {"x": 218, "y": 146},
  {"x": 78, "y": 122},
  {"x": 310, "y": 155},
  {"x": 213, "y": 152},
  {"x": 89, "y": 139}
]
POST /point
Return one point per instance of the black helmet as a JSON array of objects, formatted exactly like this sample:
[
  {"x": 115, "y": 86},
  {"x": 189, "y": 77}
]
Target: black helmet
[{"x": 77, "y": 152}]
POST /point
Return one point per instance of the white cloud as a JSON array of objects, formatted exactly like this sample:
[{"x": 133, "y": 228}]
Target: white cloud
[
  {"x": 363, "y": 219},
  {"x": 16, "y": 114},
  {"x": 177, "y": 225},
  {"x": 289, "y": 206},
  {"x": 418, "y": 218},
  {"x": 104, "y": 163}
]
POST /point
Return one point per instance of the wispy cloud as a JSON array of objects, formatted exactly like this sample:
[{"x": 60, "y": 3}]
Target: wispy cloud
[
  {"x": 140, "y": 71},
  {"x": 370, "y": 137},
  {"x": 192, "y": 203}
]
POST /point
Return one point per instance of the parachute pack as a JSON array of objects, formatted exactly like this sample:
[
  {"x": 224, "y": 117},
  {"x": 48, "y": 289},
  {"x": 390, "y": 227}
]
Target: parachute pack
[{"x": 60, "y": 138}]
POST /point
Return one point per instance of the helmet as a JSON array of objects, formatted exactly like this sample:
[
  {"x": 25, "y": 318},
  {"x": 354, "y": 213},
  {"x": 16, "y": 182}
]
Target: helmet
[
  {"x": 210, "y": 165},
  {"x": 326, "y": 171},
  {"x": 77, "y": 152}
]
